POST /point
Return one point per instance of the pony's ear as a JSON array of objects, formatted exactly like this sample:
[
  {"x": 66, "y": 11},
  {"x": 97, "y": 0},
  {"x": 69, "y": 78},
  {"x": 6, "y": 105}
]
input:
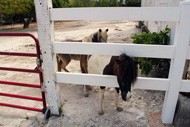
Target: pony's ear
[
  {"x": 106, "y": 30},
  {"x": 100, "y": 30}
]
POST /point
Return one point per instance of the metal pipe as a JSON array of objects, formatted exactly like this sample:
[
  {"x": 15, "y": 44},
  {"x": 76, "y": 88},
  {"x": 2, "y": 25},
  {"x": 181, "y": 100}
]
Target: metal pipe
[
  {"x": 19, "y": 84},
  {"x": 20, "y": 96},
  {"x": 21, "y": 107},
  {"x": 19, "y": 69},
  {"x": 18, "y": 54}
]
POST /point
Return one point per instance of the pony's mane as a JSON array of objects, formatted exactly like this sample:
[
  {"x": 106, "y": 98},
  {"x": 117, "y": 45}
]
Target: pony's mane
[
  {"x": 129, "y": 66},
  {"x": 95, "y": 37}
]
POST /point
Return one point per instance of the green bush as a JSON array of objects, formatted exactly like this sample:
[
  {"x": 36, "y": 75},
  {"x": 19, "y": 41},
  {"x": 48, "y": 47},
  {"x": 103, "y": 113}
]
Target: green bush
[
  {"x": 133, "y": 3},
  {"x": 103, "y": 3},
  {"x": 160, "y": 38}
]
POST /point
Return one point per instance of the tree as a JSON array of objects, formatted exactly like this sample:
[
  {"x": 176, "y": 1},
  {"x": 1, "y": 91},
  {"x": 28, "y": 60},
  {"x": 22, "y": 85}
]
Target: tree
[
  {"x": 11, "y": 8},
  {"x": 60, "y": 3}
]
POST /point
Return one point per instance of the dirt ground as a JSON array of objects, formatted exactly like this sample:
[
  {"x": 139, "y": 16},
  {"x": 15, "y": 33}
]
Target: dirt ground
[{"x": 142, "y": 110}]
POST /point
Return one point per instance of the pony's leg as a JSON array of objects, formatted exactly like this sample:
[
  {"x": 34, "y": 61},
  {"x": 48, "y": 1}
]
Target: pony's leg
[
  {"x": 85, "y": 90},
  {"x": 102, "y": 90},
  {"x": 117, "y": 104},
  {"x": 59, "y": 63},
  {"x": 64, "y": 68},
  {"x": 84, "y": 66},
  {"x": 65, "y": 62}
]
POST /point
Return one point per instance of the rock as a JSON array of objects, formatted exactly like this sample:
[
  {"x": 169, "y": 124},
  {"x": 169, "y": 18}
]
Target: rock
[{"x": 182, "y": 115}]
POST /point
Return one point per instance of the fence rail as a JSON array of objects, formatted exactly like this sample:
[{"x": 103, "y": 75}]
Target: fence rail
[
  {"x": 160, "y": 84},
  {"x": 116, "y": 13},
  {"x": 135, "y": 50}
]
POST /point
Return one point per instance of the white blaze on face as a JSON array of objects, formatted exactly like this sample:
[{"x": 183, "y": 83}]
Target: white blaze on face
[{"x": 128, "y": 96}]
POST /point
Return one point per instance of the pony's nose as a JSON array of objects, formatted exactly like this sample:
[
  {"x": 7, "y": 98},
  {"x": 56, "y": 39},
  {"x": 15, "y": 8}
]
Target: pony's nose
[{"x": 126, "y": 97}]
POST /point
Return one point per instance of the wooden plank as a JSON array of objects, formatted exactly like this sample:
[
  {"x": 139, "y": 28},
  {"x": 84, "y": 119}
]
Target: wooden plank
[
  {"x": 185, "y": 86},
  {"x": 137, "y": 50},
  {"x": 116, "y": 13},
  {"x": 109, "y": 81},
  {"x": 181, "y": 42},
  {"x": 45, "y": 35},
  {"x": 188, "y": 53}
]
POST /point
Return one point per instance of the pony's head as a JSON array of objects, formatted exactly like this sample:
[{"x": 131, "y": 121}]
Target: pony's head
[
  {"x": 100, "y": 36},
  {"x": 126, "y": 71}
]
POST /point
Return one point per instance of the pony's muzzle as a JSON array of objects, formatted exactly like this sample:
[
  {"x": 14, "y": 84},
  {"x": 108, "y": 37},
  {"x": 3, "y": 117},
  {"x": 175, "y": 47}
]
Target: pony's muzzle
[{"x": 126, "y": 97}]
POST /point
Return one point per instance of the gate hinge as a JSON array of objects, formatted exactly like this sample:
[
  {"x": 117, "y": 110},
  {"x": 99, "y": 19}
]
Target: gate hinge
[{"x": 39, "y": 61}]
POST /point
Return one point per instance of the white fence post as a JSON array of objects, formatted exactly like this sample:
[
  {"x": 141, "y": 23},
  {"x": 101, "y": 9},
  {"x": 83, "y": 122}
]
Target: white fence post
[
  {"x": 46, "y": 37},
  {"x": 181, "y": 42}
]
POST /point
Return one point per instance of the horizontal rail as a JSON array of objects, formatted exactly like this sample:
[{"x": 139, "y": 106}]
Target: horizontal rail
[
  {"x": 20, "y": 84},
  {"x": 116, "y": 13},
  {"x": 185, "y": 86},
  {"x": 135, "y": 50},
  {"x": 24, "y": 35},
  {"x": 18, "y": 54},
  {"x": 21, "y": 96},
  {"x": 19, "y": 69},
  {"x": 111, "y": 81},
  {"x": 21, "y": 107}
]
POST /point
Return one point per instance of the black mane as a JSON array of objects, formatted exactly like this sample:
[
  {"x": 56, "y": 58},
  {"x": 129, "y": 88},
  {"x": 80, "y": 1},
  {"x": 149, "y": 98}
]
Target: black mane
[
  {"x": 130, "y": 68},
  {"x": 95, "y": 37}
]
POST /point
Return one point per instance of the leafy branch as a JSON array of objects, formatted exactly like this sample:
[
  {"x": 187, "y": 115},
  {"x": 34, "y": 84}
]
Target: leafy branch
[{"x": 160, "y": 38}]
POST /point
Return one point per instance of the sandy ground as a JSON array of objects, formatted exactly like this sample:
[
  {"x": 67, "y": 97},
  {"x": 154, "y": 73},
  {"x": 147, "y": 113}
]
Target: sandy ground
[{"x": 142, "y": 110}]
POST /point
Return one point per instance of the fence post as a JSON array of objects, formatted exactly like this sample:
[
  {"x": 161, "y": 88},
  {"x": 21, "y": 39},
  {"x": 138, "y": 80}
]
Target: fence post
[
  {"x": 46, "y": 37},
  {"x": 181, "y": 42}
]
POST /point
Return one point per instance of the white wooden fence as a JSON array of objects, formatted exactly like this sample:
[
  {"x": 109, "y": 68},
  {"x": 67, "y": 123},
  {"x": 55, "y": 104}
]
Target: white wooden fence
[{"x": 178, "y": 53}]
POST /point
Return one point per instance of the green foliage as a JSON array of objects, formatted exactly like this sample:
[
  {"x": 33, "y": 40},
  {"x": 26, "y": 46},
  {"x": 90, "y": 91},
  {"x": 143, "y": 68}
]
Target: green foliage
[
  {"x": 160, "y": 38},
  {"x": 103, "y": 3},
  {"x": 13, "y": 7},
  {"x": 133, "y": 3},
  {"x": 60, "y": 3}
]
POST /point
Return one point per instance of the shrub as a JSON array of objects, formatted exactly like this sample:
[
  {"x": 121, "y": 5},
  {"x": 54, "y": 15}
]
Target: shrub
[{"x": 160, "y": 38}]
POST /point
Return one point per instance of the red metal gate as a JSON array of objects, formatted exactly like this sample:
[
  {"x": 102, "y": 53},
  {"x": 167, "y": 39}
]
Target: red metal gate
[{"x": 36, "y": 70}]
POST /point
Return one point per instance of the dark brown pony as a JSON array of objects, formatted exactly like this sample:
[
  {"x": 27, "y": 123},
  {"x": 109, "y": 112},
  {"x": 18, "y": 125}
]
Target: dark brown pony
[{"x": 121, "y": 66}]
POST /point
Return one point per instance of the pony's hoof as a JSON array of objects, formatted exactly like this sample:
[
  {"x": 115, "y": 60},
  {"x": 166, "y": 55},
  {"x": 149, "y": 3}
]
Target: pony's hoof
[
  {"x": 119, "y": 109},
  {"x": 86, "y": 95},
  {"x": 101, "y": 112}
]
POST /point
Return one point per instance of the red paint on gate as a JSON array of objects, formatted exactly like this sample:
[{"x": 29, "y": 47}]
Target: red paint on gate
[{"x": 36, "y": 70}]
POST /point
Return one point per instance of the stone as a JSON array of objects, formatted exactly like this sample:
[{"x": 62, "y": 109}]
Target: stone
[{"x": 182, "y": 114}]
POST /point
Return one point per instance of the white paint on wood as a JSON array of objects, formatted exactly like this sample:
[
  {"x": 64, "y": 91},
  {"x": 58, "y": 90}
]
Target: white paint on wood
[
  {"x": 185, "y": 86},
  {"x": 181, "y": 42},
  {"x": 137, "y": 50},
  {"x": 109, "y": 81},
  {"x": 116, "y": 13},
  {"x": 188, "y": 53},
  {"x": 45, "y": 31}
]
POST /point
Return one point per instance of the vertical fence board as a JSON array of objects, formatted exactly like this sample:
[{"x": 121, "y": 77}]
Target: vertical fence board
[
  {"x": 45, "y": 35},
  {"x": 181, "y": 42}
]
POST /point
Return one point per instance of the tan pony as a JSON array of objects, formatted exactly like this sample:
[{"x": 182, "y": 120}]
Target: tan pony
[{"x": 64, "y": 59}]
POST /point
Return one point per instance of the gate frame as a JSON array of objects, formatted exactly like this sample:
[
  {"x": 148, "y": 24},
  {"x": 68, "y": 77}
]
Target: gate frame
[{"x": 36, "y": 70}]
